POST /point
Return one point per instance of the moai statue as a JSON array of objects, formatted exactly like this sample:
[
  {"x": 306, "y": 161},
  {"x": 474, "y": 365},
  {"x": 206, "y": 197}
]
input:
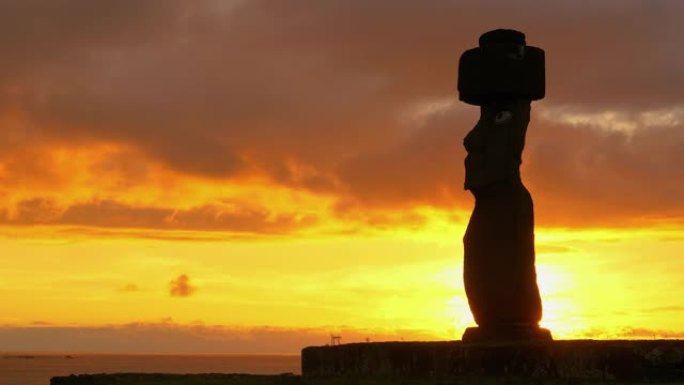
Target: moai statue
[{"x": 502, "y": 76}]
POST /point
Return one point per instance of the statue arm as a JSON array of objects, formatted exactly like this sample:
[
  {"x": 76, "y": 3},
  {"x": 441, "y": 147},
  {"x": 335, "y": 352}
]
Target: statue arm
[{"x": 508, "y": 138}]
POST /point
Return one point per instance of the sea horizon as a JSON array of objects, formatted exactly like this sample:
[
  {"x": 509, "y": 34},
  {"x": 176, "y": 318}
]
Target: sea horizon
[
  {"x": 60, "y": 353},
  {"x": 36, "y": 368}
]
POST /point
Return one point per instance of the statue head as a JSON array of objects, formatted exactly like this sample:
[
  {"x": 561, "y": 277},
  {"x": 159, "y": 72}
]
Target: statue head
[
  {"x": 502, "y": 36},
  {"x": 507, "y": 42},
  {"x": 502, "y": 67}
]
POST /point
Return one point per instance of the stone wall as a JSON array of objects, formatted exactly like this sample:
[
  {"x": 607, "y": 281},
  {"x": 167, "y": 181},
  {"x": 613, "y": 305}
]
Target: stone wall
[{"x": 657, "y": 360}]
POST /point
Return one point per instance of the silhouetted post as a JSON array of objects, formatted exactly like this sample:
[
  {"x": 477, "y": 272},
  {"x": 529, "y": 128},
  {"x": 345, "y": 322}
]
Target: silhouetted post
[{"x": 502, "y": 76}]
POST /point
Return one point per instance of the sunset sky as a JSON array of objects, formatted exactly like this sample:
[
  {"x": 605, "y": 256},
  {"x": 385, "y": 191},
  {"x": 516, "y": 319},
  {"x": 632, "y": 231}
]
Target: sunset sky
[{"x": 252, "y": 176}]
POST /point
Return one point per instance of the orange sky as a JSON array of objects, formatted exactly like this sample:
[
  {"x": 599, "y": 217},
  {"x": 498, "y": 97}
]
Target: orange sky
[{"x": 250, "y": 176}]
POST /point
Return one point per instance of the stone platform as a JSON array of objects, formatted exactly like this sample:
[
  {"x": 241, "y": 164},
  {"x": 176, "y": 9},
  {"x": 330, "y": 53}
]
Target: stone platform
[{"x": 641, "y": 360}]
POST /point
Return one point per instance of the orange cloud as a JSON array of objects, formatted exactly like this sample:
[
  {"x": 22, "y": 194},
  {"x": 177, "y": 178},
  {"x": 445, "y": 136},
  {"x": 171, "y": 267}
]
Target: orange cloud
[
  {"x": 128, "y": 288},
  {"x": 645, "y": 333},
  {"x": 169, "y": 95},
  {"x": 181, "y": 287},
  {"x": 633, "y": 333}
]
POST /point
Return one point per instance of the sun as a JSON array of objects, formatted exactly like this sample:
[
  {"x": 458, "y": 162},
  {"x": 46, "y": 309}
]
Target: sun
[{"x": 559, "y": 310}]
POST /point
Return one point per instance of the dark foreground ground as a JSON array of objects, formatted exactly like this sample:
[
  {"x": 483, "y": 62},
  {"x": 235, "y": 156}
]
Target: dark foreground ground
[
  {"x": 659, "y": 361},
  {"x": 244, "y": 379},
  {"x": 452, "y": 363}
]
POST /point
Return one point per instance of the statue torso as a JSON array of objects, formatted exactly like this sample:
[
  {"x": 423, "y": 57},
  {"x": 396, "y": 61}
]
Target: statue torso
[{"x": 496, "y": 143}]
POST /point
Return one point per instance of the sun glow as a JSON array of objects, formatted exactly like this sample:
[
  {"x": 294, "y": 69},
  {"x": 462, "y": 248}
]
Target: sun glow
[
  {"x": 260, "y": 253},
  {"x": 592, "y": 283}
]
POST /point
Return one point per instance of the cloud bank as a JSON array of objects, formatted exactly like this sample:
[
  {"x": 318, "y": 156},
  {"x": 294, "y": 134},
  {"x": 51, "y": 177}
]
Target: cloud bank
[
  {"x": 169, "y": 337},
  {"x": 104, "y": 109}
]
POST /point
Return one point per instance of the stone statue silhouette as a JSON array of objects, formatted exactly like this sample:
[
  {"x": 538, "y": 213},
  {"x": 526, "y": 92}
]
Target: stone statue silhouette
[{"x": 502, "y": 76}]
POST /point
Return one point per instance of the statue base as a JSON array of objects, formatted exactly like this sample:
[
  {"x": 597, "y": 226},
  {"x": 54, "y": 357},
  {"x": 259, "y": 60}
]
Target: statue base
[
  {"x": 458, "y": 362},
  {"x": 512, "y": 333}
]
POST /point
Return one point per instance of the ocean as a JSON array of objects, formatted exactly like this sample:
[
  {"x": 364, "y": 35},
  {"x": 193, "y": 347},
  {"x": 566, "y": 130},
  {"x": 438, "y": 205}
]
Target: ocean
[{"x": 37, "y": 369}]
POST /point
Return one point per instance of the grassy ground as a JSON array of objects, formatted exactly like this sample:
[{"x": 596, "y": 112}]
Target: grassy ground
[{"x": 241, "y": 379}]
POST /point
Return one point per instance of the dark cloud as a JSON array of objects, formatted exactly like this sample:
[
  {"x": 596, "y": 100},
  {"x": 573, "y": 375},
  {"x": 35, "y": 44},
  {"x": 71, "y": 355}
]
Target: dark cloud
[
  {"x": 228, "y": 90},
  {"x": 181, "y": 287},
  {"x": 109, "y": 213},
  {"x": 579, "y": 174},
  {"x": 240, "y": 217},
  {"x": 35, "y": 32},
  {"x": 583, "y": 175},
  {"x": 425, "y": 168}
]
